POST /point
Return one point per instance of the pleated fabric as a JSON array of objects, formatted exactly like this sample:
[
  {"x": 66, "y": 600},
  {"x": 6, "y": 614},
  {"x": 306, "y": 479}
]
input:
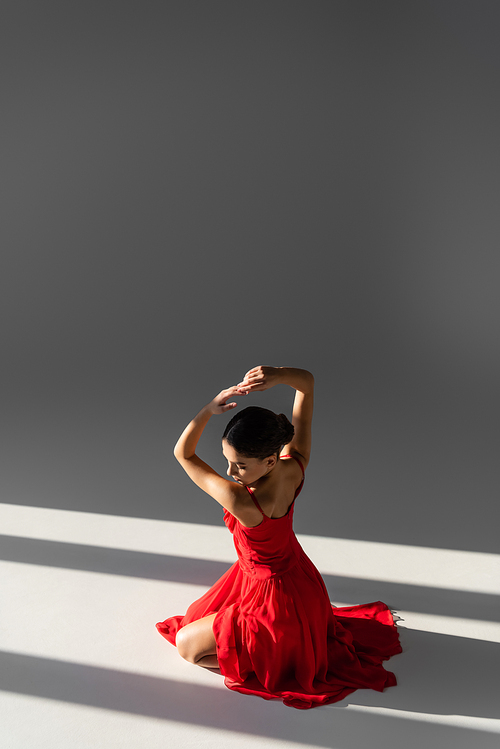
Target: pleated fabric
[{"x": 277, "y": 634}]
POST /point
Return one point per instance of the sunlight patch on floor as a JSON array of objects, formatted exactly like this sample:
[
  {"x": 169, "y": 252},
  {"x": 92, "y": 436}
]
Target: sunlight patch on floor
[
  {"x": 93, "y": 619},
  {"x": 459, "y": 721},
  {"x": 416, "y": 565}
]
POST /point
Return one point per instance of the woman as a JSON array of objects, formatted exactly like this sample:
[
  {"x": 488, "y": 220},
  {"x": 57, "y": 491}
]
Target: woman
[{"x": 267, "y": 625}]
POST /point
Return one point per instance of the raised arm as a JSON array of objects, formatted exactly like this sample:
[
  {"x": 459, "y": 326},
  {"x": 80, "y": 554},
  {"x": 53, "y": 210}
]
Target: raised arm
[
  {"x": 263, "y": 378},
  {"x": 225, "y": 492}
]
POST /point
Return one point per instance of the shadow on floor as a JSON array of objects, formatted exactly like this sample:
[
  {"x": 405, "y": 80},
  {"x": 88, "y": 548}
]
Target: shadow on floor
[
  {"x": 438, "y": 674},
  {"x": 462, "y": 604}
]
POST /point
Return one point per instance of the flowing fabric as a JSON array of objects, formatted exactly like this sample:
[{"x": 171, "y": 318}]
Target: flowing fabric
[{"x": 277, "y": 634}]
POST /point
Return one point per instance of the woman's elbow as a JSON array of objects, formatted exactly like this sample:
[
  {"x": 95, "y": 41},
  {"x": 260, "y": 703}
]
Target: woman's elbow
[{"x": 181, "y": 455}]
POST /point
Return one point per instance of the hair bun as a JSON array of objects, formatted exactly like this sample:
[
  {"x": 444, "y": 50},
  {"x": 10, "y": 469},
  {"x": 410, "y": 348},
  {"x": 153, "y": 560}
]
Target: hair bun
[{"x": 287, "y": 430}]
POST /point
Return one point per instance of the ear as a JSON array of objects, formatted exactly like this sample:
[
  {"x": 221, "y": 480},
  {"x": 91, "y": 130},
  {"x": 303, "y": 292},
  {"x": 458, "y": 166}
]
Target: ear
[{"x": 271, "y": 461}]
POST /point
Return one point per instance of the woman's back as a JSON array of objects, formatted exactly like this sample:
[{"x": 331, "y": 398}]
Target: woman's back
[{"x": 276, "y": 493}]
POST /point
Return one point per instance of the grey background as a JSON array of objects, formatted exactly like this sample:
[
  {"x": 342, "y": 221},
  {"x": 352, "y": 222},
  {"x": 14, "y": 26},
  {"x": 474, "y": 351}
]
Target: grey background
[{"x": 190, "y": 189}]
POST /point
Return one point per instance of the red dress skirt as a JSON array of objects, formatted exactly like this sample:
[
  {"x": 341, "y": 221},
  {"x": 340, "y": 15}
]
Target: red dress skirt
[{"x": 277, "y": 634}]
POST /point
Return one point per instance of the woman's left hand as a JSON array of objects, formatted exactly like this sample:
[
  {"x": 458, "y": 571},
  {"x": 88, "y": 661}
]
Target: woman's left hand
[
  {"x": 260, "y": 378},
  {"x": 219, "y": 404}
]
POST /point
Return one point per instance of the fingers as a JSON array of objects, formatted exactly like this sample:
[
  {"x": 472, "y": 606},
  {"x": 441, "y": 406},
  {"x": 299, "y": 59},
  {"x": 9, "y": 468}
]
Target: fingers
[
  {"x": 229, "y": 393},
  {"x": 238, "y": 390},
  {"x": 219, "y": 405},
  {"x": 234, "y": 390},
  {"x": 252, "y": 374},
  {"x": 252, "y": 382},
  {"x": 250, "y": 388},
  {"x": 255, "y": 379}
]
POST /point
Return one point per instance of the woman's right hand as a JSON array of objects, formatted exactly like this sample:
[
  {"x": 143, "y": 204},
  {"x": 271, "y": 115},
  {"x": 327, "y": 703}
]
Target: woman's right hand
[
  {"x": 219, "y": 404},
  {"x": 260, "y": 378}
]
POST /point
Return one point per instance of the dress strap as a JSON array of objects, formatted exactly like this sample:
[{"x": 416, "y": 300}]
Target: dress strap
[
  {"x": 298, "y": 461},
  {"x": 299, "y": 488},
  {"x": 297, "y": 492},
  {"x": 254, "y": 500}
]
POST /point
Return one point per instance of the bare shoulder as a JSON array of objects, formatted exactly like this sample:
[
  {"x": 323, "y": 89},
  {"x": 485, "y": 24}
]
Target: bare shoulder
[
  {"x": 293, "y": 461},
  {"x": 276, "y": 496},
  {"x": 245, "y": 510}
]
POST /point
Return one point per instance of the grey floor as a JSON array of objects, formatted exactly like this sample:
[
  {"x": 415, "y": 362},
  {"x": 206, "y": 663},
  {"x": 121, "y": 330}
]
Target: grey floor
[{"x": 82, "y": 664}]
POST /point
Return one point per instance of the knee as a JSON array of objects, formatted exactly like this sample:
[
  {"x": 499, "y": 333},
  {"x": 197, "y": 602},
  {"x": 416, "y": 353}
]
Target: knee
[{"x": 184, "y": 645}]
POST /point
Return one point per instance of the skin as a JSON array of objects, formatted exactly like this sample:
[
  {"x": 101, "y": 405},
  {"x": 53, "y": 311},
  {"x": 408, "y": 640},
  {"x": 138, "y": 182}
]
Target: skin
[
  {"x": 273, "y": 480},
  {"x": 246, "y": 471}
]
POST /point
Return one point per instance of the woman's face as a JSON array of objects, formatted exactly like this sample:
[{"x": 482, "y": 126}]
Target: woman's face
[{"x": 245, "y": 470}]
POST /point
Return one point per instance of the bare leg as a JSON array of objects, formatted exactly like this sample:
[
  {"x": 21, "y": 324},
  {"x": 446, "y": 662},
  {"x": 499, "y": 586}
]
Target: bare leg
[
  {"x": 196, "y": 643},
  {"x": 210, "y": 662}
]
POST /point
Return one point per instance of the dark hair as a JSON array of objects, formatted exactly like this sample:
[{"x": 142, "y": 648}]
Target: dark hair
[{"x": 258, "y": 433}]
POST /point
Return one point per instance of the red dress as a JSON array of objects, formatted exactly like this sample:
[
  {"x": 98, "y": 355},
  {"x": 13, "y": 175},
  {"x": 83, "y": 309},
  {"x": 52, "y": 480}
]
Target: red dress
[{"x": 277, "y": 634}]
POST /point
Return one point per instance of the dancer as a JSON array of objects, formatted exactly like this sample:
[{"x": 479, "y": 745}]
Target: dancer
[{"x": 267, "y": 624}]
